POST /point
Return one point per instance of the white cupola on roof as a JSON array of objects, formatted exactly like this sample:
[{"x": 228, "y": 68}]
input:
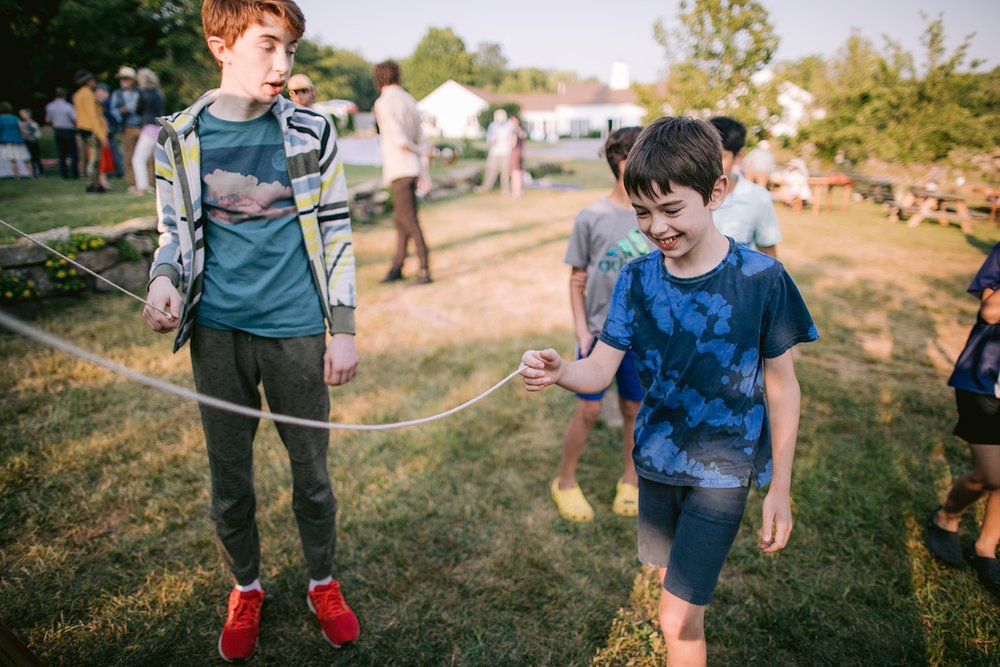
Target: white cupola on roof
[{"x": 619, "y": 76}]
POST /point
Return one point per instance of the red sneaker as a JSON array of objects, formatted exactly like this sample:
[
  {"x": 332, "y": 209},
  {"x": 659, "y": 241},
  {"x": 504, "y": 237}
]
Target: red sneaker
[
  {"x": 339, "y": 623},
  {"x": 238, "y": 640}
]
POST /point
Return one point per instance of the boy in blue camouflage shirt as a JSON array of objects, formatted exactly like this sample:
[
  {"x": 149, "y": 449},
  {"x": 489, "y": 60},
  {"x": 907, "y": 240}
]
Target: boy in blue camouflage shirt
[{"x": 712, "y": 324}]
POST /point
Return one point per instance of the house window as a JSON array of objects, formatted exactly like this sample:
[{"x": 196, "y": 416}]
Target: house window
[{"x": 579, "y": 128}]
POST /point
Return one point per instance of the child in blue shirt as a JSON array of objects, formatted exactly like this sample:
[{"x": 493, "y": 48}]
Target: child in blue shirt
[
  {"x": 712, "y": 324},
  {"x": 977, "y": 388}
]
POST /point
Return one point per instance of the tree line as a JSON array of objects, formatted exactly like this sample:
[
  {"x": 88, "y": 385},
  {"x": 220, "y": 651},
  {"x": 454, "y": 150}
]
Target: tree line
[
  {"x": 882, "y": 102},
  {"x": 48, "y": 40}
]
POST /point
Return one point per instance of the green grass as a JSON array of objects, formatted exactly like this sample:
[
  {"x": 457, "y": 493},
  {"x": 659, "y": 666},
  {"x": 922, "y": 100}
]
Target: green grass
[{"x": 449, "y": 548}]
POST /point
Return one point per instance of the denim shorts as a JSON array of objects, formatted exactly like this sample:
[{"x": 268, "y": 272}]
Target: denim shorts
[
  {"x": 688, "y": 530},
  {"x": 627, "y": 377}
]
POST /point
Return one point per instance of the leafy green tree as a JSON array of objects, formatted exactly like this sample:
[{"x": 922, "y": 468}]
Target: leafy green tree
[
  {"x": 883, "y": 104},
  {"x": 440, "y": 55},
  {"x": 491, "y": 65},
  {"x": 337, "y": 73},
  {"x": 714, "y": 54}
]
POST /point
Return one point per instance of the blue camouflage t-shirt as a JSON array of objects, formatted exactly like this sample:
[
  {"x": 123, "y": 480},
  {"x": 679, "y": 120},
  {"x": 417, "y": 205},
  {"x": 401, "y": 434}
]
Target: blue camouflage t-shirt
[{"x": 700, "y": 345}]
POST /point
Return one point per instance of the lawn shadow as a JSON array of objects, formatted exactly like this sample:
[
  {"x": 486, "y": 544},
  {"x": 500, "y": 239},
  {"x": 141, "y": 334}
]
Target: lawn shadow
[{"x": 448, "y": 547}]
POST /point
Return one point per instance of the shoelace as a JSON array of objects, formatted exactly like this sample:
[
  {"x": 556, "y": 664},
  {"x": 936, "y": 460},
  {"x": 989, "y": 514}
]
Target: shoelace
[
  {"x": 329, "y": 603},
  {"x": 243, "y": 613}
]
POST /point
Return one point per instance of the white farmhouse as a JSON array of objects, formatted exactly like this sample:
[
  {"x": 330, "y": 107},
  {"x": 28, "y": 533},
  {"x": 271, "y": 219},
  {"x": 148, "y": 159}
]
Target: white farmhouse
[{"x": 577, "y": 109}]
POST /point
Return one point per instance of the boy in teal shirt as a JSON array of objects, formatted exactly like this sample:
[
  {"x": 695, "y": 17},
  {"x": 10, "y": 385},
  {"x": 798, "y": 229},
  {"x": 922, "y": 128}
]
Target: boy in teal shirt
[{"x": 254, "y": 231}]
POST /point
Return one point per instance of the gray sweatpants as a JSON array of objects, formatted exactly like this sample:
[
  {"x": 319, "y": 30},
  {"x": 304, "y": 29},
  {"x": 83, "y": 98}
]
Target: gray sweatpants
[{"x": 232, "y": 365}]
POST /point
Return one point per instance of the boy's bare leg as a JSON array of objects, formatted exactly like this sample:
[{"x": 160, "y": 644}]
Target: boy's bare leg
[
  {"x": 580, "y": 424},
  {"x": 683, "y": 628},
  {"x": 989, "y": 536},
  {"x": 630, "y": 409}
]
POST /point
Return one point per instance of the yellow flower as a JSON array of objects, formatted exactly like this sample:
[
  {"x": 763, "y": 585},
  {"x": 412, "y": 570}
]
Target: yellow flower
[
  {"x": 61, "y": 274},
  {"x": 72, "y": 272},
  {"x": 48, "y": 262},
  {"x": 26, "y": 293}
]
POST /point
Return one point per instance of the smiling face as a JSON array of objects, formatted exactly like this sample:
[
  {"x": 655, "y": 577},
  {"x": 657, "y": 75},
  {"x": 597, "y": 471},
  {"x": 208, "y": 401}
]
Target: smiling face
[
  {"x": 678, "y": 221},
  {"x": 258, "y": 63}
]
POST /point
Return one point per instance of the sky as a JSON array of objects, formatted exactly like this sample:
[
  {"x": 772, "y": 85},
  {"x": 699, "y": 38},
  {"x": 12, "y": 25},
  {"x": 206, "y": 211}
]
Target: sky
[{"x": 587, "y": 36}]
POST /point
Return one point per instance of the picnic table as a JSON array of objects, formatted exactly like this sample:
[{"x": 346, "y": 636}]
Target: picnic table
[
  {"x": 992, "y": 196},
  {"x": 822, "y": 187},
  {"x": 940, "y": 207}
]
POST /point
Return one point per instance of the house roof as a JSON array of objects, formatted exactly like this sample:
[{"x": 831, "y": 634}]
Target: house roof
[{"x": 570, "y": 94}]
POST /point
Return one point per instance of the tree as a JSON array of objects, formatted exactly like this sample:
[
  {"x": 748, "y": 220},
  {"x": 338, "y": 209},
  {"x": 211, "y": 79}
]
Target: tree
[
  {"x": 714, "y": 54},
  {"x": 439, "y": 56},
  {"x": 491, "y": 65},
  {"x": 337, "y": 73},
  {"x": 883, "y": 104}
]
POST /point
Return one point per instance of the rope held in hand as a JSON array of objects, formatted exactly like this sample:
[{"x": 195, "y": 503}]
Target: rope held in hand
[{"x": 29, "y": 331}]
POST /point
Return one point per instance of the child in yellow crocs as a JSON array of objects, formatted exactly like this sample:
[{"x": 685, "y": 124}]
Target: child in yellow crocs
[{"x": 605, "y": 237}]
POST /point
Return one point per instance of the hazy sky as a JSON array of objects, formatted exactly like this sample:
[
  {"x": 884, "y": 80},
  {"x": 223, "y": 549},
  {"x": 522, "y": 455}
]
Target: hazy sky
[{"x": 586, "y": 36}]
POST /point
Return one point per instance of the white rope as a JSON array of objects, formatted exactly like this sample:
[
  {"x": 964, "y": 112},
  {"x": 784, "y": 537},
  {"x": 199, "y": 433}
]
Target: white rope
[
  {"x": 36, "y": 334},
  {"x": 84, "y": 268}
]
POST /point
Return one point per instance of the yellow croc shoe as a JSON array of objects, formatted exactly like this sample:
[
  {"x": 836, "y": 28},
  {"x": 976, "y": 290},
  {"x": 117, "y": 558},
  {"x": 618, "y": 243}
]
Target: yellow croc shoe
[
  {"x": 571, "y": 503},
  {"x": 626, "y": 499}
]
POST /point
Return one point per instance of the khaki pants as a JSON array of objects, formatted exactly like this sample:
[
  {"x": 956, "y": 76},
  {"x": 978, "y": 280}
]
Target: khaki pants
[{"x": 130, "y": 135}]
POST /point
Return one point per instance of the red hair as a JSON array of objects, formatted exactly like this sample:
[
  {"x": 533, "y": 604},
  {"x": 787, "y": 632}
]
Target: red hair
[{"x": 229, "y": 19}]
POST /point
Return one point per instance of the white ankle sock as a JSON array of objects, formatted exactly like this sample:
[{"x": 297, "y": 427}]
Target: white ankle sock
[
  {"x": 313, "y": 583},
  {"x": 253, "y": 586}
]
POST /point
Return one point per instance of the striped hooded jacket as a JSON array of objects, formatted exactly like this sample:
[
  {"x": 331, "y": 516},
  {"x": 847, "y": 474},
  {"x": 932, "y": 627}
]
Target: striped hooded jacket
[{"x": 320, "y": 192}]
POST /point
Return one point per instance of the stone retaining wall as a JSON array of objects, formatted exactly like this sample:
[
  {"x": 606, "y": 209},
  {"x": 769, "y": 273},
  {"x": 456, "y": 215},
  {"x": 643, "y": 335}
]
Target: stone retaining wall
[{"x": 28, "y": 260}]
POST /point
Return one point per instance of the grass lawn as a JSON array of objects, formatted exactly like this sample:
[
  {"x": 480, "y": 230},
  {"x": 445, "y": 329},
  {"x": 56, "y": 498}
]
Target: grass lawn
[{"x": 449, "y": 548}]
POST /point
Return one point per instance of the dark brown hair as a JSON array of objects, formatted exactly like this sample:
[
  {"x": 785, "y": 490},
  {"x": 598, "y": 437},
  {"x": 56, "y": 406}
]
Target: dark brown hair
[
  {"x": 618, "y": 145},
  {"x": 386, "y": 73},
  {"x": 675, "y": 150}
]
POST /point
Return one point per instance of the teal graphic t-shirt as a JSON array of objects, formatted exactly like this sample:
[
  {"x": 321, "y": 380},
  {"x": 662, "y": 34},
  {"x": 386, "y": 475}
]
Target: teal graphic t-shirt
[{"x": 257, "y": 276}]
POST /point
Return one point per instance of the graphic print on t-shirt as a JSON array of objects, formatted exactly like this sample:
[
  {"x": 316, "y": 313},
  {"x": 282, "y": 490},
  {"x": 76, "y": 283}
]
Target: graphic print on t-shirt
[
  {"x": 258, "y": 190},
  {"x": 625, "y": 250}
]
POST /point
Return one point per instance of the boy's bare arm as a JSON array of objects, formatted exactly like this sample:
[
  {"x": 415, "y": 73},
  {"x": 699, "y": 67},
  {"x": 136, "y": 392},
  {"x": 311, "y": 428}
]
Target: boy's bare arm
[
  {"x": 578, "y": 303},
  {"x": 989, "y": 307},
  {"x": 585, "y": 376},
  {"x": 783, "y": 401}
]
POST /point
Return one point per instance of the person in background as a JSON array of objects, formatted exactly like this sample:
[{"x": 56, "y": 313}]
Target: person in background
[
  {"x": 499, "y": 139},
  {"x": 404, "y": 163},
  {"x": 61, "y": 115},
  {"x": 31, "y": 133},
  {"x": 124, "y": 108},
  {"x": 516, "y": 158},
  {"x": 977, "y": 395},
  {"x": 12, "y": 146},
  {"x": 301, "y": 90},
  {"x": 150, "y": 105},
  {"x": 604, "y": 239},
  {"x": 91, "y": 129},
  {"x": 747, "y": 214},
  {"x": 759, "y": 163}
]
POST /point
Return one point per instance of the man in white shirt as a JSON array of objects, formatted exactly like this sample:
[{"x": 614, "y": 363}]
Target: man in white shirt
[{"x": 404, "y": 162}]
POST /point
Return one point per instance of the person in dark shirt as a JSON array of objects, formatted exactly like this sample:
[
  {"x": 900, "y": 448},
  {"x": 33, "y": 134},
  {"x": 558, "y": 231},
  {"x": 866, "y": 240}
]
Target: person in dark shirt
[{"x": 976, "y": 394}]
